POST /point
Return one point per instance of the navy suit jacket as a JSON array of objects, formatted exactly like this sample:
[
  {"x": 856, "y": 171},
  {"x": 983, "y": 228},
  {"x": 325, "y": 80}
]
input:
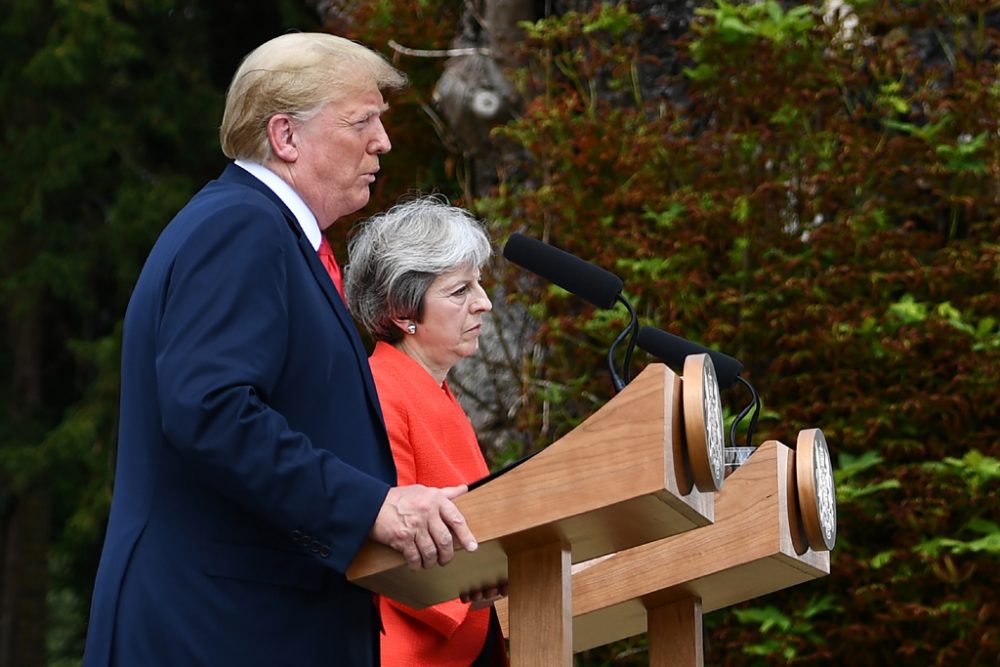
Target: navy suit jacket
[{"x": 252, "y": 457}]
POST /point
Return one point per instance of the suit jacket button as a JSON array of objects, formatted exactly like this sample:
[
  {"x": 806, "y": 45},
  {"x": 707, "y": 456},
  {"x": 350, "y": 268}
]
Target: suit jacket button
[{"x": 325, "y": 551}]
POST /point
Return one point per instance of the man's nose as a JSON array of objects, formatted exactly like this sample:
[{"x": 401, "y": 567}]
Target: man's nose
[{"x": 380, "y": 143}]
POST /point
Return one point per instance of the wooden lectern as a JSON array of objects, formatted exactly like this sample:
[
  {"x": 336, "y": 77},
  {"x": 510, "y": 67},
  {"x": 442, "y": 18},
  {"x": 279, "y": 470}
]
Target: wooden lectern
[
  {"x": 620, "y": 479},
  {"x": 759, "y": 543}
]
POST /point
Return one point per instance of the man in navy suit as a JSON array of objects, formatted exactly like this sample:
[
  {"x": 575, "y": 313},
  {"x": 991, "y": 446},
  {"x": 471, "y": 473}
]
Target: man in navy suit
[{"x": 252, "y": 458}]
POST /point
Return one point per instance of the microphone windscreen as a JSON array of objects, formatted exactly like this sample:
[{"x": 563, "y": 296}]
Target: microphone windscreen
[
  {"x": 673, "y": 350},
  {"x": 575, "y": 275}
]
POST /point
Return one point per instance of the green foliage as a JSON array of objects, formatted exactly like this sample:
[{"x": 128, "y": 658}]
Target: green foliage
[
  {"x": 581, "y": 61},
  {"x": 815, "y": 194},
  {"x": 822, "y": 205},
  {"x": 775, "y": 626},
  {"x": 746, "y": 23},
  {"x": 853, "y": 485},
  {"x": 979, "y": 477}
]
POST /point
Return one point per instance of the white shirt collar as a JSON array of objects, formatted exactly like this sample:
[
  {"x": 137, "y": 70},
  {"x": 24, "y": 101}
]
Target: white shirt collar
[{"x": 291, "y": 199}]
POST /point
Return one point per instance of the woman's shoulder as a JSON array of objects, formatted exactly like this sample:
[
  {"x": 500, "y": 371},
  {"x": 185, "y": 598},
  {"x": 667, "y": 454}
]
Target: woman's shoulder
[{"x": 396, "y": 375}]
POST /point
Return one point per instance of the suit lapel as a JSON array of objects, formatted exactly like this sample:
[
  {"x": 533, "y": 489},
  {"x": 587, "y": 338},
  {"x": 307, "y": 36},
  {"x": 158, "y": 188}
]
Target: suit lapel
[
  {"x": 340, "y": 309},
  {"x": 234, "y": 173}
]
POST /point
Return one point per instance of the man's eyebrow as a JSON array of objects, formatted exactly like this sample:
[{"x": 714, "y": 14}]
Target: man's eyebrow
[{"x": 374, "y": 111}]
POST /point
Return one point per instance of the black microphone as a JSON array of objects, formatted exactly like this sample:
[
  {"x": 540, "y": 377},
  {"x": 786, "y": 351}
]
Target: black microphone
[
  {"x": 673, "y": 350},
  {"x": 575, "y": 275}
]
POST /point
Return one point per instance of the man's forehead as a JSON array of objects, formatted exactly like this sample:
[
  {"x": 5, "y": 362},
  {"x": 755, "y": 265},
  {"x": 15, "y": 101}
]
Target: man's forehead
[{"x": 367, "y": 100}]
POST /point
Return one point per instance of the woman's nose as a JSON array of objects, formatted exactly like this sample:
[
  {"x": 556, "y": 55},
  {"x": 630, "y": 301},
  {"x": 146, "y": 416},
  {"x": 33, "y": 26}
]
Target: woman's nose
[{"x": 482, "y": 303}]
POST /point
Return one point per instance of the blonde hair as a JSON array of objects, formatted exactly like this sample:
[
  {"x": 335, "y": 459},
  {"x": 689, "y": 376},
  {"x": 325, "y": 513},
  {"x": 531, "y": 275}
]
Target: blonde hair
[{"x": 296, "y": 74}]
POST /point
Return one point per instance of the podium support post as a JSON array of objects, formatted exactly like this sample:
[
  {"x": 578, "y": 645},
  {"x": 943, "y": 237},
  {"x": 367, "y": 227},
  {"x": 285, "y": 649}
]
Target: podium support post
[
  {"x": 541, "y": 606},
  {"x": 675, "y": 634}
]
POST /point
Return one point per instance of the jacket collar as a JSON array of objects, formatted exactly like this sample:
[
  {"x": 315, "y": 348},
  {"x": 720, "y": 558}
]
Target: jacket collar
[{"x": 238, "y": 175}]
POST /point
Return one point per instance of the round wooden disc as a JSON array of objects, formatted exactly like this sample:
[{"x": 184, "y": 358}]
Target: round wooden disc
[
  {"x": 816, "y": 491},
  {"x": 703, "y": 423},
  {"x": 795, "y": 529}
]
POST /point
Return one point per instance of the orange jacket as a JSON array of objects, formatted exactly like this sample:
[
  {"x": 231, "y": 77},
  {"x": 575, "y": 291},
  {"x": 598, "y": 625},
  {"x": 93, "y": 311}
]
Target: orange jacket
[{"x": 433, "y": 443}]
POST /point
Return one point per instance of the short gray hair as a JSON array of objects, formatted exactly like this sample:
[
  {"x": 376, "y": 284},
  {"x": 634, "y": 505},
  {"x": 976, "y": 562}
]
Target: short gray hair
[
  {"x": 296, "y": 74},
  {"x": 395, "y": 256}
]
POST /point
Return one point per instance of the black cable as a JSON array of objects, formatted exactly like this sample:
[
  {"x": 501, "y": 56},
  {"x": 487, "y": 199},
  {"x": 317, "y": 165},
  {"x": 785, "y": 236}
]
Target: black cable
[
  {"x": 634, "y": 328},
  {"x": 753, "y": 404},
  {"x": 621, "y": 380}
]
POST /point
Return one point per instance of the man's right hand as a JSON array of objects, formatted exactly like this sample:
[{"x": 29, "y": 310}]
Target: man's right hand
[{"x": 422, "y": 523}]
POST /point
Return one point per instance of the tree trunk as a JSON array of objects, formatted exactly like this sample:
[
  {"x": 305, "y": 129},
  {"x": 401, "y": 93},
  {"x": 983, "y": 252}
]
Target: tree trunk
[
  {"x": 25, "y": 513},
  {"x": 474, "y": 95},
  {"x": 25, "y": 579}
]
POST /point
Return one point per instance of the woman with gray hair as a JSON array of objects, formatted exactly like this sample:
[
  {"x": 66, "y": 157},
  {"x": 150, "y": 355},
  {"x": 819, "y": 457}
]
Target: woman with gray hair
[{"x": 413, "y": 282}]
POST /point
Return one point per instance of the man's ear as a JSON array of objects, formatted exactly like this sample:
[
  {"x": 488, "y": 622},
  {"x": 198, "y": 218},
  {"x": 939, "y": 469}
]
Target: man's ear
[{"x": 282, "y": 133}]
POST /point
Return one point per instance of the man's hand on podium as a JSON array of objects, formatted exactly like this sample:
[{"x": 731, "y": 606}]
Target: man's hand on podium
[{"x": 422, "y": 523}]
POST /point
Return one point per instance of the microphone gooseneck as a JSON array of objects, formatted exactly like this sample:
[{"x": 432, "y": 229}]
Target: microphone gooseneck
[
  {"x": 631, "y": 331},
  {"x": 754, "y": 405}
]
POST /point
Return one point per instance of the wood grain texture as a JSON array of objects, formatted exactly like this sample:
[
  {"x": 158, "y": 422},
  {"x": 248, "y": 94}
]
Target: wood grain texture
[
  {"x": 703, "y": 422},
  {"x": 748, "y": 552},
  {"x": 814, "y": 478},
  {"x": 541, "y": 607},
  {"x": 676, "y": 634},
  {"x": 612, "y": 483}
]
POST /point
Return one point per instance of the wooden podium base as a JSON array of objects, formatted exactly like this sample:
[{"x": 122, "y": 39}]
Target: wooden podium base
[
  {"x": 541, "y": 633},
  {"x": 606, "y": 533},
  {"x": 755, "y": 547},
  {"x": 675, "y": 634}
]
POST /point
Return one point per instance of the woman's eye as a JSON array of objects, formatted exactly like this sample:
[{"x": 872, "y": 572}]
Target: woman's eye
[{"x": 460, "y": 291}]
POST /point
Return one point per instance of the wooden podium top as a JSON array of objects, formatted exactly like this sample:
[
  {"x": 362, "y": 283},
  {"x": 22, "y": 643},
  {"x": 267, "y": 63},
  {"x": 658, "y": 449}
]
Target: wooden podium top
[
  {"x": 756, "y": 546},
  {"x": 619, "y": 480}
]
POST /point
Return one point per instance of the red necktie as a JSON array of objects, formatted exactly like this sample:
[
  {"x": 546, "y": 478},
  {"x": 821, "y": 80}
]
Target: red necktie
[{"x": 331, "y": 266}]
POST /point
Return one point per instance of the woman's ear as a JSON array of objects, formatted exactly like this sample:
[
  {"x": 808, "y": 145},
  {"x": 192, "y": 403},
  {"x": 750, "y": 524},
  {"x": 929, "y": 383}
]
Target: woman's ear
[{"x": 407, "y": 326}]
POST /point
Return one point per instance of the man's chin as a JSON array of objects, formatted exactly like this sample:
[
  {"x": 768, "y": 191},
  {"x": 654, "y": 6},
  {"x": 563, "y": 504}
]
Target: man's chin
[{"x": 355, "y": 204}]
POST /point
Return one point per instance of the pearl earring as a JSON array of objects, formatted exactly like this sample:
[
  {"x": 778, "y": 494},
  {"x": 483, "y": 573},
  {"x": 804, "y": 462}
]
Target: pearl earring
[{"x": 411, "y": 328}]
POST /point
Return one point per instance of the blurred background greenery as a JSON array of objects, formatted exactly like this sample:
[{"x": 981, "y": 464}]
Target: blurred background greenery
[{"x": 810, "y": 187}]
